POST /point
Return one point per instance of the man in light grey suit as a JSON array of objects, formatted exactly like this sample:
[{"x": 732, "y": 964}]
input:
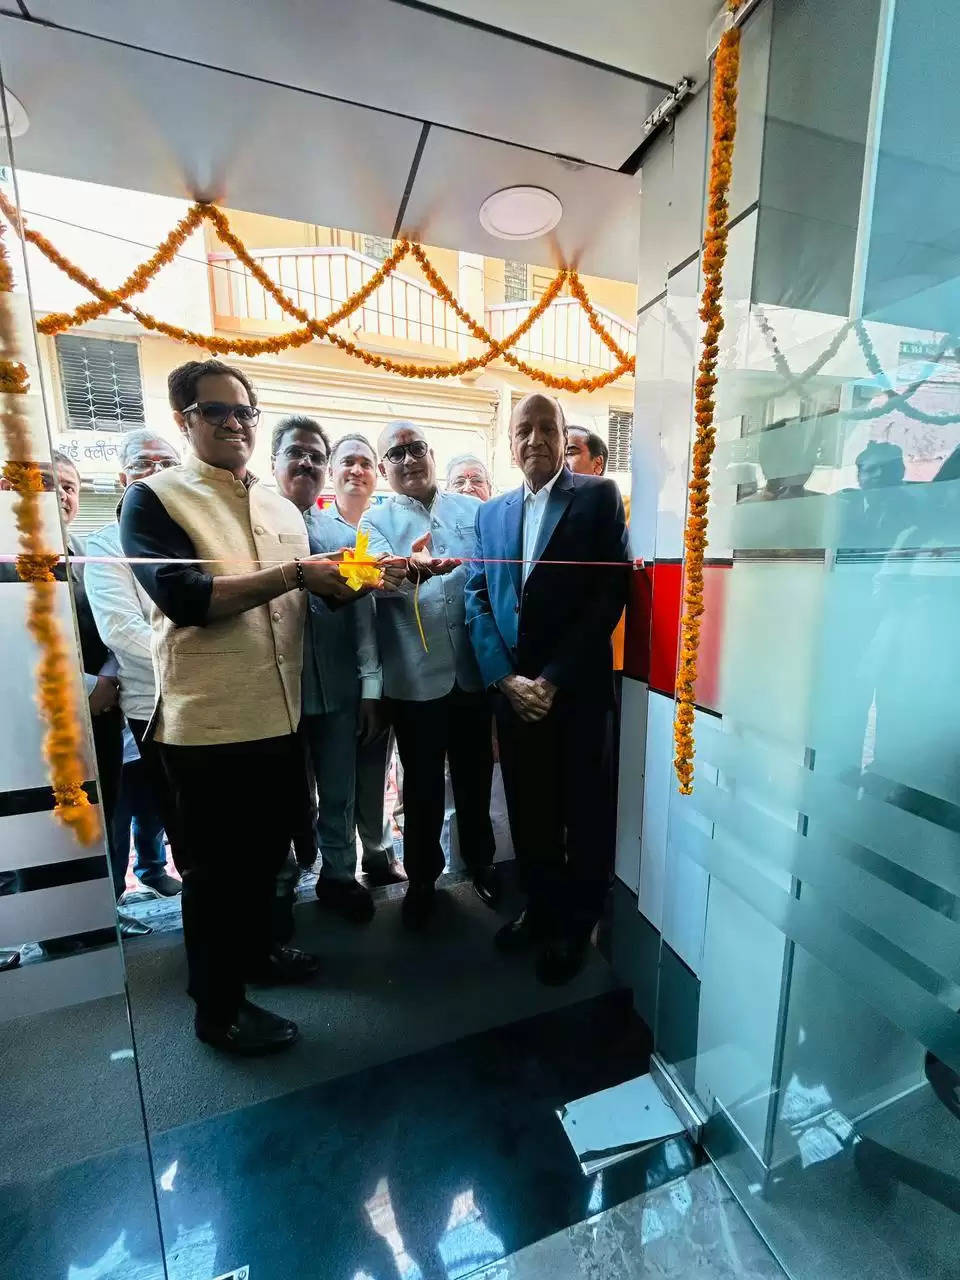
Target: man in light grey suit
[{"x": 433, "y": 691}]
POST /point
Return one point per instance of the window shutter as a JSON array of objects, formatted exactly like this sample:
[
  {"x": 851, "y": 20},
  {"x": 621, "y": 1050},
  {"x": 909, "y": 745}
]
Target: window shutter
[
  {"x": 102, "y": 390},
  {"x": 619, "y": 438}
]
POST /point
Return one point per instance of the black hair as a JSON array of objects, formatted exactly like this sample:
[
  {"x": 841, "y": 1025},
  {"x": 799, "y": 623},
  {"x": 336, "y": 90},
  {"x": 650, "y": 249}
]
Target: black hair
[
  {"x": 359, "y": 437},
  {"x": 297, "y": 422},
  {"x": 182, "y": 381},
  {"x": 596, "y": 445}
]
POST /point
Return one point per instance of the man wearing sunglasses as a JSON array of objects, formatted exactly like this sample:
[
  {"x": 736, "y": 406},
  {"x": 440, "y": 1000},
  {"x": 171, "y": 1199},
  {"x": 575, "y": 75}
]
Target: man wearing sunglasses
[
  {"x": 433, "y": 691},
  {"x": 229, "y": 588}
]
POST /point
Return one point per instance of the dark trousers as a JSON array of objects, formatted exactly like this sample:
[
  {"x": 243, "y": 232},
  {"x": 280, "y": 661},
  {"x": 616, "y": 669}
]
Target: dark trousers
[
  {"x": 557, "y": 776},
  {"x": 237, "y": 806},
  {"x": 456, "y": 727}
]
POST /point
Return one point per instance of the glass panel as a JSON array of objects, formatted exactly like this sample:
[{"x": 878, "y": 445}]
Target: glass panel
[
  {"x": 825, "y": 820},
  {"x": 76, "y": 1186}
]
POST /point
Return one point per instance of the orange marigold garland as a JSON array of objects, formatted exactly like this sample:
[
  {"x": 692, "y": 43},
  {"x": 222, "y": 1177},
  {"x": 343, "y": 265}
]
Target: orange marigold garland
[
  {"x": 63, "y": 743},
  {"x": 309, "y": 327},
  {"x": 726, "y": 71}
]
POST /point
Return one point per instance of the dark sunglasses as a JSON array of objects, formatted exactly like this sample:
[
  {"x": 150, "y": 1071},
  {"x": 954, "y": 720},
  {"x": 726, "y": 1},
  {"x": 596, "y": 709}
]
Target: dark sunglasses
[
  {"x": 216, "y": 412},
  {"x": 417, "y": 449}
]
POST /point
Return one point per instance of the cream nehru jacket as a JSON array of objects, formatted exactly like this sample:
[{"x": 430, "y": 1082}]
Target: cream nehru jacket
[{"x": 236, "y": 679}]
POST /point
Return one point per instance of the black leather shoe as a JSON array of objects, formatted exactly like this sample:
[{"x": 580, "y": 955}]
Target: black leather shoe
[
  {"x": 418, "y": 904},
  {"x": 284, "y": 967},
  {"x": 390, "y": 872},
  {"x": 519, "y": 935},
  {"x": 486, "y": 885},
  {"x": 253, "y": 1032},
  {"x": 166, "y": 885},
  {"x": 347, "y": 899},
  {"x": 561, "y": 960}
]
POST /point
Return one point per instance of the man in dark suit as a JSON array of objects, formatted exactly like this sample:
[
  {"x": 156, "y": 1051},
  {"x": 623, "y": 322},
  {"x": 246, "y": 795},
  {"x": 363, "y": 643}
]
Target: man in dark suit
[{"x": 541, "y": 634}]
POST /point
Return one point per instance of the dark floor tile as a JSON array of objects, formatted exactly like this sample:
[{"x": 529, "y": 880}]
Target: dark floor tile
[
  {"x": 96, "y": 1220},
  {"x": 428, "y": 1167}
]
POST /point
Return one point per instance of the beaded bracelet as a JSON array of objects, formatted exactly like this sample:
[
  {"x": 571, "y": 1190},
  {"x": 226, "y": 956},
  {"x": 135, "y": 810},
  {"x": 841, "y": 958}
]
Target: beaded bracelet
[{"x": 301, "y": 580}]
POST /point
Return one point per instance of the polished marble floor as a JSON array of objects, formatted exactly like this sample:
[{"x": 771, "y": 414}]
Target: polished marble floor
[{"x": 691, "y": 1227}]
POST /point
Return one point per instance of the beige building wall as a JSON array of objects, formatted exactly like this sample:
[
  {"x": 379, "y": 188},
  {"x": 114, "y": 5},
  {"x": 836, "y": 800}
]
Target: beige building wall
[{"x": 460, "y": 415}]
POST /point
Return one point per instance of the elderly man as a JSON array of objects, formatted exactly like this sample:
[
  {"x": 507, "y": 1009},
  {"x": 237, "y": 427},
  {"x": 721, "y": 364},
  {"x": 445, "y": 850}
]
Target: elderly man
[
  {"x": 541, "y": 633},
  {"x": 229, "y": 588},
  {"x": 433, "y": 690},
  {"x": 586, "y": 452},
  {"x": 468, "y": 474},
  {"x": 121, "y": 610},
  {"x": 341, "y": 668}
]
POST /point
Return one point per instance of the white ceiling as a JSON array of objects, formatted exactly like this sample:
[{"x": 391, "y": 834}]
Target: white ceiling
[
  {"x": 662, "y": 39},
  {"x": 314, "y": 111}
]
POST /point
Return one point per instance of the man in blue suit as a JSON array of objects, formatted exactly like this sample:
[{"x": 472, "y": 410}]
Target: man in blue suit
[{"x": 541, "y": 631}]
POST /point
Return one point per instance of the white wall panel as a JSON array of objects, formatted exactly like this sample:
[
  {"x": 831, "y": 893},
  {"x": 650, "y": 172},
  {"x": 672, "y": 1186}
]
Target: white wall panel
[
  {"x": 743, "y": 959},
  {"x": 656, "y": 798},
  {"x": 633, "y": 734}
]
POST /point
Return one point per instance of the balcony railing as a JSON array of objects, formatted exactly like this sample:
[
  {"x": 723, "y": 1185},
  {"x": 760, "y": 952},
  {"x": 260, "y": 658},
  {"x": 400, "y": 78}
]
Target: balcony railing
[
  {"x": 319, "y": 280},
  {"x": 562, "y": 334}
]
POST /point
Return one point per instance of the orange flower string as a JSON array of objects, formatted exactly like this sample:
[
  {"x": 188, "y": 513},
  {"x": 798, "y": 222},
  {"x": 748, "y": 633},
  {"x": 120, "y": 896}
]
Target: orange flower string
[
  {"x": 309, "y": 327},
  {"x": 724, "y": 110},
  {"x": 64, "y": 739}
]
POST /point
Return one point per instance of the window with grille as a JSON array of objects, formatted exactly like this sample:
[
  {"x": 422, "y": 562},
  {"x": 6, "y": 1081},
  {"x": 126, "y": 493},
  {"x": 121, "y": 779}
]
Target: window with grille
[
  {"x": 102, "y": 390},
  {"x": 619, "y": 438},
  {"x": 515, "y": 282},
  {"x": 378, "y": 247}
]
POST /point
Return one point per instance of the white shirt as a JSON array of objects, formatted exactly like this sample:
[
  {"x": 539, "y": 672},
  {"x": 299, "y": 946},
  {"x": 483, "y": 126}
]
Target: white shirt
[
  {"x": 534, "y": 505},
  {"x": 121, "y": 610}
]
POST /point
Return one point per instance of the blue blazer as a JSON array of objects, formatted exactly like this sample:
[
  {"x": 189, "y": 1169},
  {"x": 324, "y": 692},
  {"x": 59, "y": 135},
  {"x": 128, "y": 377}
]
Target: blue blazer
[{"x": 558, "y": 623}]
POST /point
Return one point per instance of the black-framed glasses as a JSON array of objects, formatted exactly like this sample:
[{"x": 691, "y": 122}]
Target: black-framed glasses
[
  {"x": 417, "y": 449},
  {"x": 216, "y": 413},
  {"x": 298, "y": 452}
]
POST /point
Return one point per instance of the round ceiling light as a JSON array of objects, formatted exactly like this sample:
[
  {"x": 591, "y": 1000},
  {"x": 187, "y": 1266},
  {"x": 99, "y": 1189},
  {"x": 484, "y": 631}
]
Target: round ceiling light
[
  {"x": 16, "y": 114},
  {"x": 520, "y": 213}
]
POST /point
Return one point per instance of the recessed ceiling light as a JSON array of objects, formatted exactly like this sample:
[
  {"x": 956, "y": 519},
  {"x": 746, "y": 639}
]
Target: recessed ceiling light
[
  {"x": 520, "y": 213},
  {"x": 16, "y": 114}
]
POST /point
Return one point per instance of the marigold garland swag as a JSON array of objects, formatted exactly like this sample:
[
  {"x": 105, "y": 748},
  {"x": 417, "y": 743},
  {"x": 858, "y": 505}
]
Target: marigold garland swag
[
  {"x": 56, "y": 688},
  {"x": 309, "y": 327},
  {"x": 724, "y": 114}
]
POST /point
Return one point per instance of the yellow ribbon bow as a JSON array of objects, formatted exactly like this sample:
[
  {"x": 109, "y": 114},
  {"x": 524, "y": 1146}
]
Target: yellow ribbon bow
[{"x": 357, "y": 566}]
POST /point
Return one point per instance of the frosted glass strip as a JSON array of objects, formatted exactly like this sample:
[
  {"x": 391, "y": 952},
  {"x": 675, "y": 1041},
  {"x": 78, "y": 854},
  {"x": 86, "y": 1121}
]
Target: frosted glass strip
[
  {"x": 55, "y": 984},
  {"x": 35, "y": 839},
  {"x": 921, "y": 847},
  {"x": 56, "y": 912},
  {"x": 881, "y": 984},
  {"x": 923, "y": 933}
]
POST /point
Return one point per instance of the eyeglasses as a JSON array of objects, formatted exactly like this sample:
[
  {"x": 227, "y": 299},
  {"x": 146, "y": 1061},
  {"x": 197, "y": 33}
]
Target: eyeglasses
[
  {"x": 216, "y": 412},
  {"x": 297, "y": 453},
  {"x": 417, "y": 449},
  {"x": 143, "y": 464}
]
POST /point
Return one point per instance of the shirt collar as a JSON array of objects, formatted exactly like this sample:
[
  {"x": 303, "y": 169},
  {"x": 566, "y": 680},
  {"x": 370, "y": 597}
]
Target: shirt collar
[
  {"x": 406, "y": 501},
  {"x": 192, "y": 463},
  {"x": 528, "y": 492}
]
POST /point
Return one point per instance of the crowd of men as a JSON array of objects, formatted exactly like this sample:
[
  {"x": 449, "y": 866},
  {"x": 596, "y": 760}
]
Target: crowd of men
[{"x": 264, "y": 694}]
